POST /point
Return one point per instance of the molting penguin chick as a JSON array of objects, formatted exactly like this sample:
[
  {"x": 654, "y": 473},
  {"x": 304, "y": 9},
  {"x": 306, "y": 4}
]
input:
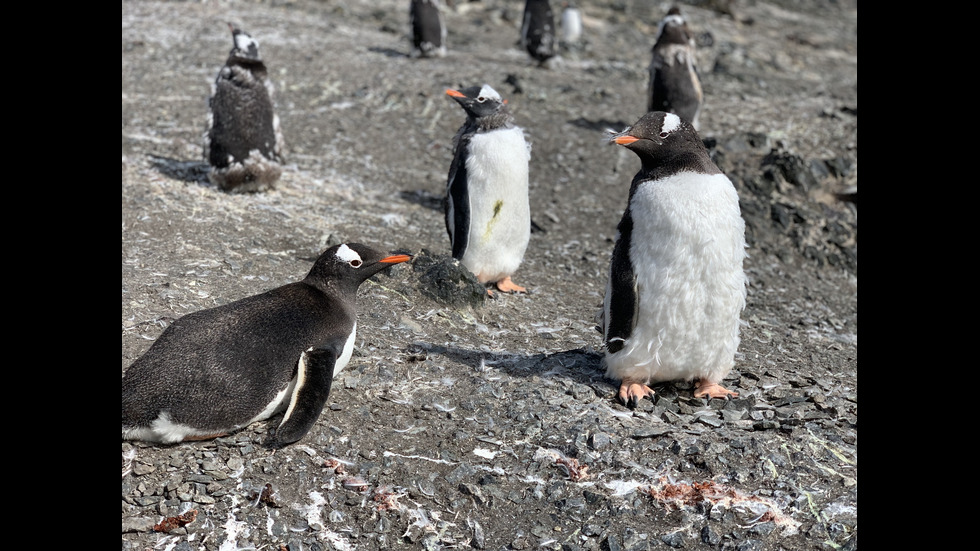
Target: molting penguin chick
[
  {"x": 674, "y": 83},
  {"x": 538, "y": 30},
  {"x": 428, "y": 29},
  {"x": 243, "y": 143},
  {"x": 218, "y": 370},
  {"x": 676, "y": 284},
  {"x": 488, "y": 216}
]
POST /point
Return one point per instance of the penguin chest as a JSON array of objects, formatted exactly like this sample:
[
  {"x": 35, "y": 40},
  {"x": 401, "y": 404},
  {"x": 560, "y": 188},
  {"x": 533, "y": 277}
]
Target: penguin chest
[
  {"x": 686, "y": 249},
  {"x": 345, "y": 355},
  {"x": 500, "y": 217},
  {"x": 571, "y": 25}
]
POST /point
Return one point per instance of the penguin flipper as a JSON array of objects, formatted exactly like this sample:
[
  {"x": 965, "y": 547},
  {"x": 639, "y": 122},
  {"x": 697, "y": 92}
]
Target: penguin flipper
[
  {"x": 622, "y": 300},
  {"x": 314, "y": 378},
  {"x": 458, "y": 204}
]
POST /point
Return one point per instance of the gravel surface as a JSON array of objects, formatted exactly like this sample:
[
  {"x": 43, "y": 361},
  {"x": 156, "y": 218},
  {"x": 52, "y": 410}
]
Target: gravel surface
[{"x": 470, "y": 423}]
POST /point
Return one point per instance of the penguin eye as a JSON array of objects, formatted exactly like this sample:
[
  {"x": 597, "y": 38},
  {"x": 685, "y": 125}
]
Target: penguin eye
[
  {"x": 481, "y": 99},
  {"x": 663, "y": 135},
  {"x": 356, "y": 263}
]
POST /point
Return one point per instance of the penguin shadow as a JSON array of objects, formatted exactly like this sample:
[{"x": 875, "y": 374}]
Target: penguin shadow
[
  {"x": 579, "y": 364},
  {"x": 600, "y": 125},
  {"x": 388, "y": 52},
  {"x": 185, "y": 171},
  {"x": 423, "y": 198}
]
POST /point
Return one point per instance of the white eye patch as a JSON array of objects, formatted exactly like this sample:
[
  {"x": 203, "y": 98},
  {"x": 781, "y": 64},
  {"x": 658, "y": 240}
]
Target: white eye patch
[
  {"x": 489, "y": 93},
  {"x": 243, "y": 41},
  {"x": 348, "y": 255},
  {"x": 671, "y": 122}
]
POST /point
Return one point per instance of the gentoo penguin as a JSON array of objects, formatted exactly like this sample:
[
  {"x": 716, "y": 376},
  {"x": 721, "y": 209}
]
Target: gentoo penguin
[
  {"x": 538, "y": 30},
  {"x": 488, "y": 216},
  {"x": 218, "y": 370},
  {"x": 676, "y": 284},
  {"x": 428, "y": 30},
  {"x": 243, "y": 143},
  {"x": 571, "y": 25},
  {"x": 674, "y": 83}
]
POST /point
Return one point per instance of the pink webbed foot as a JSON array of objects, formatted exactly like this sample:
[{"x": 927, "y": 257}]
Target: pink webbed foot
[
  {"x": 505, "y": 285},
  {"x": 204, "y": 437},
  {"x": 630, "y": 393},
  {"x": 713, "y": 390}
]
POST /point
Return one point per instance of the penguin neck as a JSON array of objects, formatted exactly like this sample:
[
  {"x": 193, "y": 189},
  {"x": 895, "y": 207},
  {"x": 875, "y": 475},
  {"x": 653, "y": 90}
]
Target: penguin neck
[
  {"x": 673, "y": 35},
  {"x": 254, "y": 66},
  {"x": 335, "y": 287},
  {"x": 500, "y": 119},
  {"x": 661, "y": 166}
]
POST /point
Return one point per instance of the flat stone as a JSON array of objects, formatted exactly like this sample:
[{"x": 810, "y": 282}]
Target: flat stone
[
  {"x": 652, "y": 431},
  {"x": 137, "y": 524}
]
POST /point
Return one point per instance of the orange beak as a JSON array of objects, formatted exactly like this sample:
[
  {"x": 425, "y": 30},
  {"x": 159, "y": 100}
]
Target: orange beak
[
  {"x": 625, "y": 140},
  {"x": 396, "y": 259},
  {"x": 455, "y": 93}
]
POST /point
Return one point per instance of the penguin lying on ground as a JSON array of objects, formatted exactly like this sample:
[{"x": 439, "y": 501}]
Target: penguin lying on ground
[
  {"x": 428, "y": 30},
  {"x": 487, "y": 212},
  {"x": 218, "y": 370},
  {"x": 538, "y": 30},
  {"x": 674, "y": 83},
  {"x": 243, "y": 143},
  {"x": 676, "y": 284}
]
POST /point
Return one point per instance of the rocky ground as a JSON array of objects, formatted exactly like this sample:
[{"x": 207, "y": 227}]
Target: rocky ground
[{"x": 490, "y": 424}]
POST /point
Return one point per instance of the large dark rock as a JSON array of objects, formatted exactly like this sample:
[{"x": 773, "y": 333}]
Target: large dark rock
[{"x": 443, "y": 279}]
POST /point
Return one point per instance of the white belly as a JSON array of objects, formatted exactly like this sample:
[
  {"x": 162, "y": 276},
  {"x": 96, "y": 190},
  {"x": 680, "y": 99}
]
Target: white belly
[
  {"x": 687, "y": 248},
  {"x": 344, "y": 358},
  {"x": 500, "y": 217}
]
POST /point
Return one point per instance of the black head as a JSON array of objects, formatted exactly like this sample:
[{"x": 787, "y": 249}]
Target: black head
[
  {"x": 245, "y": 46},
  {"x": 652, "y": 131},
  {"x": 347, "y": 265},
  {"x": 478, "y": 101},
  {"x": 659, "y": 138},
  {"x": 673, "y": 29}
]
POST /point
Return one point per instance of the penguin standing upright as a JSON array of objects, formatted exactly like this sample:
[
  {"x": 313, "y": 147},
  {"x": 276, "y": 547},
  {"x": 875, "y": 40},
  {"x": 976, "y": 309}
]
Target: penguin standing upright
[
  {"x": 218, "y": 370},
  {"x": 571, "y": 25},
  {"x": 243, "y": 143},
  {"x": 674, "y": 83},
  {"x": 538, "y": 30},
  {"x": 428, "y": 30},
  {"x": 488, "y": 215},
  {"x": 676, "y": 284}
]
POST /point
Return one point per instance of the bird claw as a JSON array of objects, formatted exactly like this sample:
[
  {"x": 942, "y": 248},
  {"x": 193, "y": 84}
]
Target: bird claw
[{"x": 631, "y": 393}]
